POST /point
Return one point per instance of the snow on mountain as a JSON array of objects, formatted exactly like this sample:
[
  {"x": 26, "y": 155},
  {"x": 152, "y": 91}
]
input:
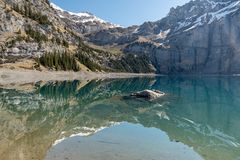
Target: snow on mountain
[
  {"x": 187, "y": 17},
  {"x": 210, "y": 17},
  {"x": 82, "y": 17},
  {"x": 201, "y": 36},
  {"x": 191, "y": 15},
  {"x": 163, "y": 34},
  {"x": 57, "y": 7}
]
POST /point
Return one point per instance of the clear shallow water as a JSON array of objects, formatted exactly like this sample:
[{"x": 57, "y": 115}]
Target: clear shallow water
[
  {"x": 124, "y": 141},
  {"x": 198, "y": 119}
]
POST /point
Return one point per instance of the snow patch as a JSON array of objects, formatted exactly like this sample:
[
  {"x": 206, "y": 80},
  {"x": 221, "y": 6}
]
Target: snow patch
[
  {"x": 213, "y": 16},
  {"x": 56, "y": 7},
  {"x": 84, "y": 17},
  {"x": 163, "y": 34},
  {"x": 136, "y": 30},
  {"x": 192, "y": 8}
]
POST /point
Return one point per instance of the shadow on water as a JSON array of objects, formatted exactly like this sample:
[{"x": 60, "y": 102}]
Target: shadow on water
[{"x": 201, "y": 112}]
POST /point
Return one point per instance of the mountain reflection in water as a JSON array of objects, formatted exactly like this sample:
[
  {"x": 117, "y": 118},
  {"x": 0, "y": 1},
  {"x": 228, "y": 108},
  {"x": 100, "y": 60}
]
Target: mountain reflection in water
[{"x": 200, "y": 112}]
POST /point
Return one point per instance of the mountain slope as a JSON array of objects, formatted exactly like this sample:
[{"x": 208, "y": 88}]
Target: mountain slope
[
  {"x": 205, "y": 43},
  {"x": 83, "y": 22},
  {"x": 200, "y": 37},
  {"x": 189, "y": 16},
  {"x": 34, "y": 30}
]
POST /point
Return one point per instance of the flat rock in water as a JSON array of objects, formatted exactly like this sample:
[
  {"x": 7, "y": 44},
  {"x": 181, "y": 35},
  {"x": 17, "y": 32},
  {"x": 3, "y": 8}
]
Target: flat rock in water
[{"x": 148, "y": 94}]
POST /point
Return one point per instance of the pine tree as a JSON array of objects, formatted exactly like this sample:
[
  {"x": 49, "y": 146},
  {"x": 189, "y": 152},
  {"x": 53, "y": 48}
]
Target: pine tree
[{"x": 65, "y": 43}]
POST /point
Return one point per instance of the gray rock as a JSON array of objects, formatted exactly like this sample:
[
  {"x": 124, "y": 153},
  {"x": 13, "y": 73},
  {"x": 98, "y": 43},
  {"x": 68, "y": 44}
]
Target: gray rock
[
  {"x": 200, "y": 37},
  {"x": 208, "y": 46},
  {"x": 15, "y": 50},
  {"x": 83, "y": 22},
  {"x": 148, "y": 94}
]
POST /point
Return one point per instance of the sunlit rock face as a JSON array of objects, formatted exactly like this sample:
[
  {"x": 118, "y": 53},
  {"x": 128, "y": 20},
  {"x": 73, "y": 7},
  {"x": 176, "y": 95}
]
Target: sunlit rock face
[
  {"x": 202, "y": 113},
  {"x": 148, "y": 94},
  {"x": 13, "y": 26},
  {"x": 200, "y": 37},
  {"x": 83, "y": 22}
]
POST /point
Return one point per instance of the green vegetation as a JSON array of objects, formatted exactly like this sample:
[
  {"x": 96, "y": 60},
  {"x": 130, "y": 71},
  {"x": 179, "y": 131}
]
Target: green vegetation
[
  {"x": 127, "y": 63},
  {"x": 65, "y": 43},
  {"x": 36, "y": 35},
  {"x": 59, "y": 42},
  {"x": 10, "y": 43},
  {"x": 59, "y": 61},
  {"x": 27, "y": 11},
  {"x": 131, "y": 63},
  {"x": 85, "y": 52},
  {"x": 94, "y": 59},
  {"x": 84, "y": 59},
  {"x": 56, "y": 40},
  {"x": 89, "y": 50},
  {"x": 19, "y": 32}
]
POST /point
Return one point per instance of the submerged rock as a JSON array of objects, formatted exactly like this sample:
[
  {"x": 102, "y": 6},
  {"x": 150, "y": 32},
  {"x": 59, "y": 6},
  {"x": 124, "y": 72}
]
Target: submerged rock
[{"x": 148, "y": 94}]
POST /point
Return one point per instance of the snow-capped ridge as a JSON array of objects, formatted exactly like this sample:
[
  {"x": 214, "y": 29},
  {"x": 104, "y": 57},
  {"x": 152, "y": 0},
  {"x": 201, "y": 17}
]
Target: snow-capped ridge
[
  {"x": 83, "y": 17},
  {"x": 163, "y": 34},
  {"x": 217, "y": 15},
  {"x": 200, "y": 12},
  {"x": 56, "y": 7}
]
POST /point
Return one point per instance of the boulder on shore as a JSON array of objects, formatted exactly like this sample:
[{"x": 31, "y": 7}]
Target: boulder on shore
[{"x": 148, "y": 94}]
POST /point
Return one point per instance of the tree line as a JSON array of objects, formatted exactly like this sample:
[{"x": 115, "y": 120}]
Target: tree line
[
  {"x": 132, "y": 63},
  {"x": 27, "y": 11},
  {"x": 36, "y": 35},
  {"x": 59, "y": 61}
]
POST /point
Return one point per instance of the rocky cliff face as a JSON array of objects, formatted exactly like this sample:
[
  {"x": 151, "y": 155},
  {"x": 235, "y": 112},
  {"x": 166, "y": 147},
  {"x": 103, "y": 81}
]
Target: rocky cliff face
[
  {"x": 199, "y": 37},
  {"x": 30, "y": 29}
]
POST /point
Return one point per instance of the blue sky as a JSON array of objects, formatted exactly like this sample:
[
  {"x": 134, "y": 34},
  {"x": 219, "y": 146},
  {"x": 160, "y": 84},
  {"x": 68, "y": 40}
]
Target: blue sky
[{"x": 122, "y": 12}]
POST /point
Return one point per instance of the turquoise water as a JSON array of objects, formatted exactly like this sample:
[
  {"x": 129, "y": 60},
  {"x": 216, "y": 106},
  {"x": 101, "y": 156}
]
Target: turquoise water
[{"x": 199, "y": 118}]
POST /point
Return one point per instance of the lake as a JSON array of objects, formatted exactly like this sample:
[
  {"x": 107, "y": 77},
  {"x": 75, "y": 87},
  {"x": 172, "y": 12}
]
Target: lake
[{"x": 198, "y": 118}]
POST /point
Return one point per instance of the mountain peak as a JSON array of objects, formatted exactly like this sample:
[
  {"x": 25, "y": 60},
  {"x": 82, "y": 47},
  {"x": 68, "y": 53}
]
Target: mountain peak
[
  {"x": 83, "y": 17},
  {"x": 57, "y": 7}
]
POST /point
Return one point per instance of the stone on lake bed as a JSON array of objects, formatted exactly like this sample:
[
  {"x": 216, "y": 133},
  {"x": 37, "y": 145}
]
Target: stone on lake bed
[{"x": 148, "y": 94}]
